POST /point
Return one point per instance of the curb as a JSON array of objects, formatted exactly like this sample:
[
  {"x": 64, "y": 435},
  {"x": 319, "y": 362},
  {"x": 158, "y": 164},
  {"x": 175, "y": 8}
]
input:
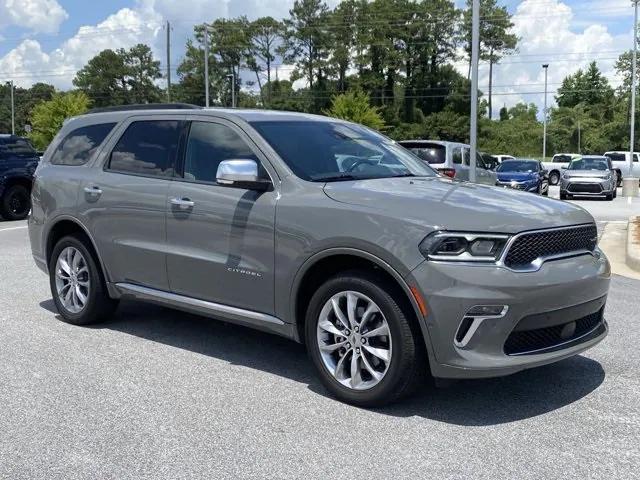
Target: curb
[{"x": 633, "y": 244}]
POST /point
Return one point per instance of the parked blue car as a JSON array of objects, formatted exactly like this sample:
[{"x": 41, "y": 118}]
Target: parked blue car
[{"x": 527, "y": 175}]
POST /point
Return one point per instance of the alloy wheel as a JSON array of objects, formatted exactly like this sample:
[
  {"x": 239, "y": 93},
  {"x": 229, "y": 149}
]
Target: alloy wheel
[
  {"x": 72, "y": 280},
  {"x": 354, "y": 340}
]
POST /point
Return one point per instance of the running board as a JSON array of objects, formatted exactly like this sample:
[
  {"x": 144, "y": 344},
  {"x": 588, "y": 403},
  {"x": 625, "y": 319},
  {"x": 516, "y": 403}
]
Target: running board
[{"x": 261, "y": 321}]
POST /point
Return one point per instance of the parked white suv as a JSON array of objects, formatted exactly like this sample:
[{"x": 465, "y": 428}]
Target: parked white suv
[{"x": 620, "y": 161}]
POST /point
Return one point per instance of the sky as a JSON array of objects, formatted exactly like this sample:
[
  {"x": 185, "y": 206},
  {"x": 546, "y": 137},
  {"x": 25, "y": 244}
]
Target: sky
[{"x": 49, "y": 40}]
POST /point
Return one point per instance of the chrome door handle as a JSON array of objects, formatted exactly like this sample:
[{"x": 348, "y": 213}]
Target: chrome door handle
[
  {"x": 182, "y": 203},
  {"x": 93, "y": 191}
]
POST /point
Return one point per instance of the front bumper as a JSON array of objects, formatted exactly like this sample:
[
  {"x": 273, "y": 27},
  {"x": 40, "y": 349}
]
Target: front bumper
[
  {"x": 587, "y": 186},
  {"x": 561, "y": 292}
]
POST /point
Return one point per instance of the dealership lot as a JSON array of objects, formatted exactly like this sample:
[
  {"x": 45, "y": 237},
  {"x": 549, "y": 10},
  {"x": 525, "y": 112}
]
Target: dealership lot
[{"x": 161, "y": 394}]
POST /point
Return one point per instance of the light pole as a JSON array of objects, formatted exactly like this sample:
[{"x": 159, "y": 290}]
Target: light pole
[
  {"x": 13, "y": 110},
  {"x": 544, "y": 114},
  {"x": 633, "y": 86},
  {"x": 475, "y": 45},
  {"x": 232, "y": 76},
  {"x": 630, "y": 184}
]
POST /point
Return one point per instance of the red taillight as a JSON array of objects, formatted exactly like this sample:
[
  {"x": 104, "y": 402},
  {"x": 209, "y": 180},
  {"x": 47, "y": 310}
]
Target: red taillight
[{"x": 449, "y": 172}]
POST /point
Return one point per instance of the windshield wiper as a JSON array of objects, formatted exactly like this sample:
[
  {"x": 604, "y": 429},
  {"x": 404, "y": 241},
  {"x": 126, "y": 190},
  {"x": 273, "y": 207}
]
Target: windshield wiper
[{"x": 335, "y": 178}]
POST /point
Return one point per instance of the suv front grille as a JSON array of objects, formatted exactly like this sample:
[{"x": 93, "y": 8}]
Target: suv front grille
[
  {"x": 533, "y": 341},
  {"x": 530, "y": 246},
  {"x": 585, "y": 188}
]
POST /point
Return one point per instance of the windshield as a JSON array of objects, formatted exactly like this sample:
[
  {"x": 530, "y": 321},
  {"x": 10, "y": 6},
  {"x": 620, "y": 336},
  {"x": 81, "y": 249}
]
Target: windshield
[
  {"x": 333, "y": 151},
  {"x": 589, "y": 164},
  {"x": 517, "y": 166},
  {"x": 430, "y": 152}
]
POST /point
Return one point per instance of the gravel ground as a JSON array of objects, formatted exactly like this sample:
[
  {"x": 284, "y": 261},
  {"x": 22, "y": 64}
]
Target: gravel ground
[{"x": 162, "y": 394}]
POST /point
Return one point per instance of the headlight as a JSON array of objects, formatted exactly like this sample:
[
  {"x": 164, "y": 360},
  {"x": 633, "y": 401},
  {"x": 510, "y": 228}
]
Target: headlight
[{"x": 463, "y": 247}]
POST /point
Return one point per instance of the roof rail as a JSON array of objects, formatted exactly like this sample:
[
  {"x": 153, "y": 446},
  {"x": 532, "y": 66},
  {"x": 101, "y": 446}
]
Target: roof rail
[{"x": 148, "y": 106}]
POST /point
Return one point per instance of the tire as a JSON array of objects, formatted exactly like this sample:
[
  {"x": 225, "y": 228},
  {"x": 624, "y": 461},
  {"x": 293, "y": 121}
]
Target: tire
[
  {"x": 554, "y": 178},
  {"x": 406, "y": 364},
  {"x": 615, "y": 193},
  {"x": 15, "y": 203},
  {"x": 619, "y": 180},
  {"x": 546, "y": 192},
  {"x": 563, "y": 196},
  {"x": 609, "y": 197},
  {"x": 98, "y": 305}
]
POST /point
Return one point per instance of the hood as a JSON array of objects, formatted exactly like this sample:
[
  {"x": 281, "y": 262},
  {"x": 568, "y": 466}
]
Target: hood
[
  {"x": 586, "y": 173},
  {"x": 517, "y": 176},
  {"x": 452, "y": 205}
]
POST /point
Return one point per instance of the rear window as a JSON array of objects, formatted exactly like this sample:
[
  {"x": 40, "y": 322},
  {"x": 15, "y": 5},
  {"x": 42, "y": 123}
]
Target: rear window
[
  {"x": 430, "y": 153},
  {"x": 561, "y": 158},
  {"x": 616, "y": 157},
  {"x": 79, "y": 145},
  {"x": 16, "y": 146}
]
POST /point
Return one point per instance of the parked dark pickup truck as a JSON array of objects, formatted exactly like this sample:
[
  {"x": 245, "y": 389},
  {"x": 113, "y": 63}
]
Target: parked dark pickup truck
[{"x": 18, "y": 161}]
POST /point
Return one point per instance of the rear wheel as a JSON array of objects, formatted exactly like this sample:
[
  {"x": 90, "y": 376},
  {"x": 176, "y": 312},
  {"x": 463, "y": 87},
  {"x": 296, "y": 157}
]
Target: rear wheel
[
  {"x": 15, "y": 203},
  {"x": 77, "y": 285}
]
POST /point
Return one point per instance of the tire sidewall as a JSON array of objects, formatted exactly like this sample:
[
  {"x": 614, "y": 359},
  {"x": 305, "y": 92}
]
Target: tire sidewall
[
  {"x": 88, "y": 313},
  {"x": 554, "y": 178},
  {"x": 395, "y": 319}
]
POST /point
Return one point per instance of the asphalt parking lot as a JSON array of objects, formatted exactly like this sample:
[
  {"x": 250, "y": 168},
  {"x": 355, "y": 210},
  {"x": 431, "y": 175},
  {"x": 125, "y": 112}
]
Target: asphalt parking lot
[{"x": 161, "y": 394}]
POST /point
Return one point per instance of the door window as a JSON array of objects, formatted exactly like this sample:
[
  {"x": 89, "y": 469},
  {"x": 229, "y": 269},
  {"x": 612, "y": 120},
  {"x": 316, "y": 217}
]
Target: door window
[
  {"x": 466, "y": 156},
  {"x": 147, "y": 148},
  {"x": 208, "y": 145},
  {"x": 79, "y": 145}
]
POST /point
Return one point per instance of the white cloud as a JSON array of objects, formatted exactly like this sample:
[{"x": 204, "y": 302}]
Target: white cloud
[
  {"x": 28, "y": 63},
  {"x": 547, "y": 33},
  {"x": 43, "y": 16}
]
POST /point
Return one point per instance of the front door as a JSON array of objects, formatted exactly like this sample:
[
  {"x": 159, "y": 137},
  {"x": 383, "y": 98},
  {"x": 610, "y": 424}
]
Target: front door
[{"x": 220, "y": 238}]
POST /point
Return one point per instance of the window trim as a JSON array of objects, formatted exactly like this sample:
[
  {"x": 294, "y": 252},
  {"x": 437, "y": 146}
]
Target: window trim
[
  {"x": 179, "y": 170},
  {"x": 123, "y": 130}
]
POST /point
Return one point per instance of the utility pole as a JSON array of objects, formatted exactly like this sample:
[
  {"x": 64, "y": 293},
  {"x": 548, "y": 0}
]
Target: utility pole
[
  {"x": 475, "y": 46},
  {"x": 206, "y": 65},
  {"x": 579, "y": 134},
  {"x": 13, "y": 112},
  {"x": 544, "y": 114},
  {"x": 168, "y": 61}
]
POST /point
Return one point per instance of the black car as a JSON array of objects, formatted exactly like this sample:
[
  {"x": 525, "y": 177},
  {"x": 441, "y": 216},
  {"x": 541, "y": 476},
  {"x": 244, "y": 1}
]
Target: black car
[{"x": 18, "y": 162}]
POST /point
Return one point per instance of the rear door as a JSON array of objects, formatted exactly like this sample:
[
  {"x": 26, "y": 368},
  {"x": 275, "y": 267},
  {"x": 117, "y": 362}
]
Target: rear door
[
  {"x": 123, "y": 201},
  {"x": 221, "y": 238}
]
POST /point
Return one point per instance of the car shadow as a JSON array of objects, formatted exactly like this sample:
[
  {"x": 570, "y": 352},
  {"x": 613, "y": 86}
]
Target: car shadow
[{"x": 483, "y": 402}]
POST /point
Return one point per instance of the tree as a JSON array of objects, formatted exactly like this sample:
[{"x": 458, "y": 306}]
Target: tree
[
  {"x": 120, "y": 77},
  {"x": 48, "y": 116},
  {"x": 24, "y": 100},
  {"x": 264, "y": 36},
  {"x": 588, "y": 87},
  {"x": 495, "y": 37},
  {"x": 355, "y": 107}
]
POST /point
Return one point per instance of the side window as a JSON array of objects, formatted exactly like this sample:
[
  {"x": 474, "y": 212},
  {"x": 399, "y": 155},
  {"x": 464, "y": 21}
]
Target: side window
[
  {"x": 635, "y": 157},
  {"x": 457, "y": 155},
  {"x": 147, "y": 147},
  {"x": 208, "y": 145},
  {"x": 480, "y": 162},
  {"x": 79, "y": 145}
]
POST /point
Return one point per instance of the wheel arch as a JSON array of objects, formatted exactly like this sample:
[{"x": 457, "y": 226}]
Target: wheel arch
[
  {"x": 324, "y": 264},
  {"x": 64, "y": 226}
]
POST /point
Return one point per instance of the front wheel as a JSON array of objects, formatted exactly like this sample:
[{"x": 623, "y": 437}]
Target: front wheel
[
  {"x": 77, "y": 285},
  {"x": 15, "y": 203},
  {"x": 361, "y": 342},
  {"x": 554, "y": 178}
]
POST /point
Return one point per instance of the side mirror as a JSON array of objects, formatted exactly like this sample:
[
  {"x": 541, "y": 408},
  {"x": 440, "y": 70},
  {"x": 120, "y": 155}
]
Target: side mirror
[{"x": 241, "y": 174}]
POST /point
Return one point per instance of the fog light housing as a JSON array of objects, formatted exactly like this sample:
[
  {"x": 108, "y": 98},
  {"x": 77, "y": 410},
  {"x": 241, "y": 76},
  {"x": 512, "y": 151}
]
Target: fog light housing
[{"x": 487, "y": 311}]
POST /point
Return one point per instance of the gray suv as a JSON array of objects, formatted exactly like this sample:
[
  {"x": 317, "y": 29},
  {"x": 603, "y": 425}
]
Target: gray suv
[{"x": 321, "y": 231}]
